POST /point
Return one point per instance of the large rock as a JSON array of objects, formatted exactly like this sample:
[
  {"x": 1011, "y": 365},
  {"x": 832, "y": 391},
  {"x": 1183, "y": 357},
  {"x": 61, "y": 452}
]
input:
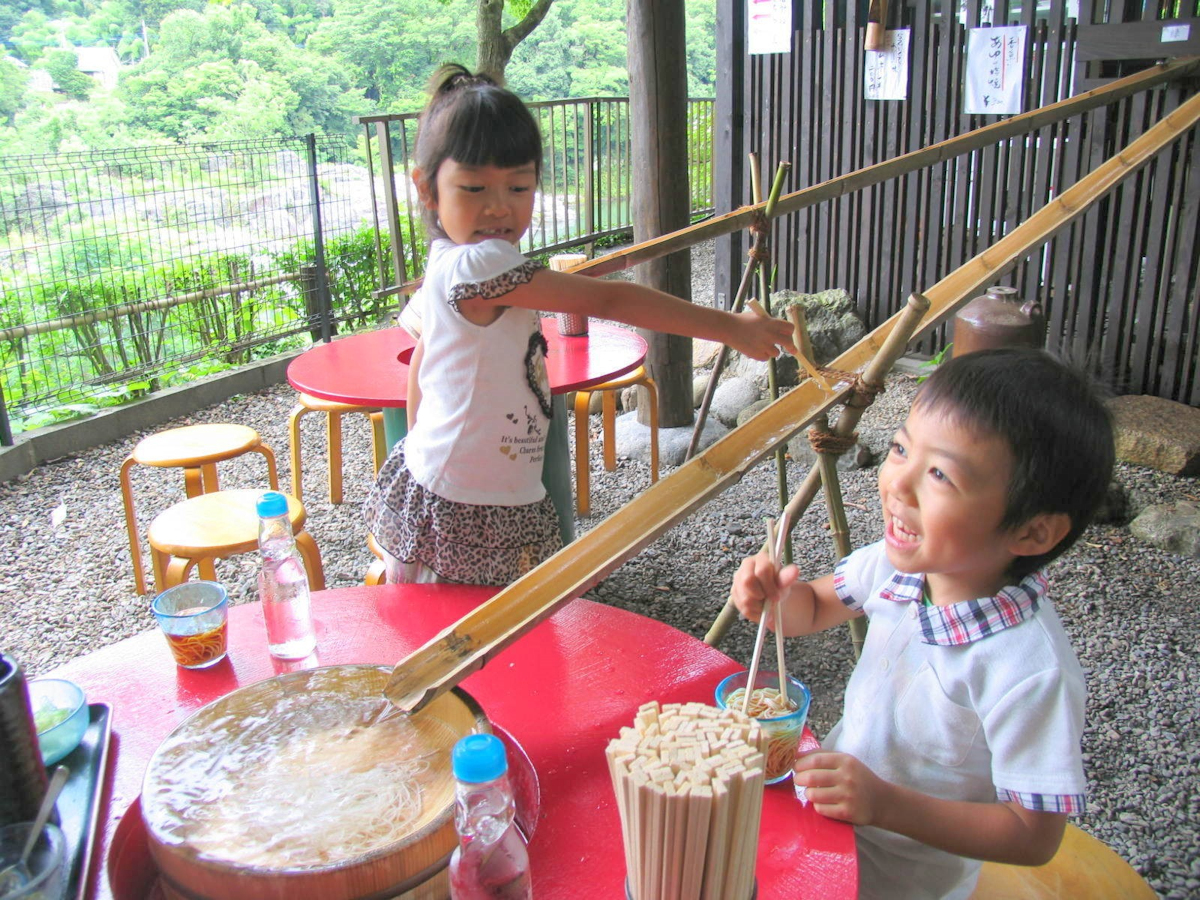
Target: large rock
[
  {"x": 633, "y": 439},
  {"x": 833, "y": 328},
  {"x": 731, "y": 397},
  {"x": 1170, "y": 527},
  {"x": 1158, "y": 433}
]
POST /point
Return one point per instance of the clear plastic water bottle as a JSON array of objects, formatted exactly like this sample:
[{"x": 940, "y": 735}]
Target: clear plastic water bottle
[
  {"x": 283, "y": 582},
  {"x": 490, "y": 862}
]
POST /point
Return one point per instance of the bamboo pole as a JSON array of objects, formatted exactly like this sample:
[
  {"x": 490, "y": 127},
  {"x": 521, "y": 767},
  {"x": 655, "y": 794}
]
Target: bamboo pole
[
  {"x": 466, "y": 645},
  {"x": 892, "y": 168},
  {"x": 760, "y": 246}
]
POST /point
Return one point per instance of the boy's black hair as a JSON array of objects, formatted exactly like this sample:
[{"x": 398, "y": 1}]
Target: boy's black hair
[
  {"x": 475, "y": 122},
  {"x": 1054, "y": 421}
]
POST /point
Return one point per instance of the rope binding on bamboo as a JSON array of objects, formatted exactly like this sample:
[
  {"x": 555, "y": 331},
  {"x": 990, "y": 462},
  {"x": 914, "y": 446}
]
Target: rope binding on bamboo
[
  {"x": 862, "y": 392},
  {"x": 824, "y": 441}
]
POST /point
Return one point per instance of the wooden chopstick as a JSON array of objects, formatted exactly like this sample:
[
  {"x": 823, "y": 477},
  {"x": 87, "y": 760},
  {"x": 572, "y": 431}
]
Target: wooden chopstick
[{"x": 780, "y": 535}]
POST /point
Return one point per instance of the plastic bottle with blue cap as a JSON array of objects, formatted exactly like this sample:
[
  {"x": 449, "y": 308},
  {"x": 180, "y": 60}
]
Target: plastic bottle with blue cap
[
  {"x": 283, "y": 582},
  {"x": 490, "y": 862}
]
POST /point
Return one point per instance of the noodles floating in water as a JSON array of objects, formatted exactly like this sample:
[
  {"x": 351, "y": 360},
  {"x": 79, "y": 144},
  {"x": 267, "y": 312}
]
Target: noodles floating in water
[
  {"x": 767, "y": 704},
  {"x": 300, "y": 779}
]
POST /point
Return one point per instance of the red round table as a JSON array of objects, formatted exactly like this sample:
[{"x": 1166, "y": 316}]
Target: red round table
[
  {"x": 370, "y": 369},
  {"x": 561, "y": 693}
]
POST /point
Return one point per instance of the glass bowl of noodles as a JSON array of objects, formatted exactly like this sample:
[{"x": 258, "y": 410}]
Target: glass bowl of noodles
[{"x": 781, "y": 718}]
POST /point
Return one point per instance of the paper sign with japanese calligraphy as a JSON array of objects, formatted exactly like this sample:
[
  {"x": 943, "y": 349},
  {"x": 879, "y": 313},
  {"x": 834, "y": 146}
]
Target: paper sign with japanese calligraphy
[
  {"x": 995, "y": 70},
  {"x": 885, "y": 73},
  {"x": 769, "y": 26}
]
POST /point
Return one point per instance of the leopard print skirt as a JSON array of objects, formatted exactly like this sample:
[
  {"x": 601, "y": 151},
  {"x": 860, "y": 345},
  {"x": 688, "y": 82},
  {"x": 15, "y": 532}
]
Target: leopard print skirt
[{"x": 459, "y": 542}]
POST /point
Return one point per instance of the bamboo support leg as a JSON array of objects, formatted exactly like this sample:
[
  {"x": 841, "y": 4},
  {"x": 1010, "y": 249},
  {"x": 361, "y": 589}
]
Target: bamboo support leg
[
  {"x": 760, "y": 246},
  {"x": 839, "y": 530},
  {"x": 873, "y": 377}
]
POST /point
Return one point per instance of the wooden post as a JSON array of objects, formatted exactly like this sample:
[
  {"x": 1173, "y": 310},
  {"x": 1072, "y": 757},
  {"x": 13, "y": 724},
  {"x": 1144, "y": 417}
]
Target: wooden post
[
  {"x": 729, "y": 151},
  {"x": 658, "y": 129}
]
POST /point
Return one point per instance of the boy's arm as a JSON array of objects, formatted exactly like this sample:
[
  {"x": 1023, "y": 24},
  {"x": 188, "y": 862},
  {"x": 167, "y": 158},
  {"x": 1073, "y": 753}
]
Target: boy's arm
[
  {"x": 808, "y": 606},
  {"x": 413, "y": 397},
  {"x": 842, "y": 787},
  {"x": 643, "y": 307}
]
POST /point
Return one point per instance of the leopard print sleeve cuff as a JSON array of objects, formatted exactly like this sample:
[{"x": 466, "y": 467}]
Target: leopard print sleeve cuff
[{"x": 495, "y": 287}]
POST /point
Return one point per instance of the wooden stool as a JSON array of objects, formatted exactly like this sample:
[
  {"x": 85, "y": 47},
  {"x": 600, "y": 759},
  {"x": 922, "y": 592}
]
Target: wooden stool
[
  {"x": 376, "y": 572},
  {"x": 333, "y": 428},
  {"x": 608, "y": 417},
  {"x": 1082, "y": 869},
  {"x": 196, "y": 449},
  {"x": 216, "y": 526}
]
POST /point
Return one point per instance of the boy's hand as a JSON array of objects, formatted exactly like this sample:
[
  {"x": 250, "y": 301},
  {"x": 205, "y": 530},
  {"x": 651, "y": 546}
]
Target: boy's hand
[
  {"x": 761, "y": 337},
  {"x": 840, "y": 786},
  {"x": 757, "y": 581}
]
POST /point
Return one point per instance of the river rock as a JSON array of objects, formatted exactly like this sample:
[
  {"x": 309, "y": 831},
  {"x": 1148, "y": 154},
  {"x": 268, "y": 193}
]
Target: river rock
[
  {"x": 1170, "y": 526},
  {"x": 1159, "y": 433}
]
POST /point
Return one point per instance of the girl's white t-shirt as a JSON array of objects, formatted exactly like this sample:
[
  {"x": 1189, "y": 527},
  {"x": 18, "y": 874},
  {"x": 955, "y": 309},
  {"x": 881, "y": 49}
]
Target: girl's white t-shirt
[{"x": 485, "y": 407}]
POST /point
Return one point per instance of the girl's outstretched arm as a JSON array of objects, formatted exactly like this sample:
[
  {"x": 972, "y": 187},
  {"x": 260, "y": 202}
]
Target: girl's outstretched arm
[{"x": 643, "y": 307}]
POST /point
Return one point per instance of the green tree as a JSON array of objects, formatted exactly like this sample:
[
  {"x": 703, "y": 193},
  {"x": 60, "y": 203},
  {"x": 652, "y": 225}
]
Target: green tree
[
  {"x": 12, "y": 90},
  {"x": 221, "y": 72},
  {"x": 391, "y": 51},
  {"x": 494, "y": 43}
]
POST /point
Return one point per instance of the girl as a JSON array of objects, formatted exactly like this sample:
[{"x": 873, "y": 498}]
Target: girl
[{"x": 461, "y": 497}]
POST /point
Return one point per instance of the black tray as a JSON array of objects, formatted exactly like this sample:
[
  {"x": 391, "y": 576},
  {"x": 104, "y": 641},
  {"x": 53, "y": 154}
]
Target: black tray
[{"x": 78, "y": 804}]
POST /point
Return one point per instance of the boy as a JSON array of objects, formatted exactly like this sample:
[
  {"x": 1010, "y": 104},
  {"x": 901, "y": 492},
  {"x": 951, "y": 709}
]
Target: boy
[{"x": 960, "y": 735}]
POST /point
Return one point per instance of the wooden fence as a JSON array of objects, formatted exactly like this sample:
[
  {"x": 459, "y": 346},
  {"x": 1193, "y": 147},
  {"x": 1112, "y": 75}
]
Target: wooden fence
[{"x": 1120, "y": 286}]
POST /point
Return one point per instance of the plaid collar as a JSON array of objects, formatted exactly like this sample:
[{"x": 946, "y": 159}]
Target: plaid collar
[{"x": 970, "y": 620}]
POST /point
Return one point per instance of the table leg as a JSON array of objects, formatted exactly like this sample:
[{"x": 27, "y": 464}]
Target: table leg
[
  {"x": 395, "y": 424},
  {"x": 556, "y": 470}
]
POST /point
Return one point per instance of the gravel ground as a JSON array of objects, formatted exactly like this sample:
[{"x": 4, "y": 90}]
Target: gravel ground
[{"x": 62, "y": 542}]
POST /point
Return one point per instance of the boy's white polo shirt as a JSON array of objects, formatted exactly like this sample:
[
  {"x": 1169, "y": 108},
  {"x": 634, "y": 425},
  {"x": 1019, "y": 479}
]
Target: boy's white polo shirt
[{"x": 980, "y": 701}]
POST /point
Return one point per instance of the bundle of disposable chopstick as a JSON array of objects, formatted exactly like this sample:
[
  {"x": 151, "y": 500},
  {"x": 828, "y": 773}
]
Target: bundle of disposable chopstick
[{"x": 689, "y": 782}]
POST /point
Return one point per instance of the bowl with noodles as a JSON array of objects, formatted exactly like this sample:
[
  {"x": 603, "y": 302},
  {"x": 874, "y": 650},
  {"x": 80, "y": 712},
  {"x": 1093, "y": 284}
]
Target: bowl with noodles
[
  {"x": 782, "y": 718},
  {"x": 305, "y": 786}
]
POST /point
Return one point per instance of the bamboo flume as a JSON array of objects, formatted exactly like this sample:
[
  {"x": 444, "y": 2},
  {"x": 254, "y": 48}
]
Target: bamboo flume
[{"x": 466, "y": 645}]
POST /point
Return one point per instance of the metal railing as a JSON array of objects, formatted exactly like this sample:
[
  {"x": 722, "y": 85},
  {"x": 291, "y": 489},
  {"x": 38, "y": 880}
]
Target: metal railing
[
  {"x": 124, "y": 272},
  {"x": 586, "y": 179}
]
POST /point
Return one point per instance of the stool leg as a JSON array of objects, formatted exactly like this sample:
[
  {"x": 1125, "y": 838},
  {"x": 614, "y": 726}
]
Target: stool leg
[
  {"x": 294, "y": 418},
  {"x": 376, "y": 573},
  {"x": 208, "y": 571},
  {"x": 272, "y": 472},
  {"x": 582, "y": 486},
  {"x": 608, "y": 416},
  {"x": 193, "y": 481},
  {"x": 652, "y": 393},
  {"x": 312, "y": 560},
  {"x": 378, "y": 440},
  {"x": 208, "y": 475},
  {"x": 178, "y": 569},
  {"x": 135, "y": 544},
  {"x": 333, "y": 428},
  {"x": 159, "y": 562}
]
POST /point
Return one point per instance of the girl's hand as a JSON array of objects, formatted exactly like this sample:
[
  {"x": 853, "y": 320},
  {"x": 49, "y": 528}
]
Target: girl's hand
[
  {"x": 840, "y": 786},
  {"x": 761, "y": 337},
  {"x": 757, "y": 581}
]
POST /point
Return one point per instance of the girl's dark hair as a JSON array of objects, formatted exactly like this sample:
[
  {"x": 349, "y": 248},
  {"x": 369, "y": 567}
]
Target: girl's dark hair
[
  {"x": 1055, "y": 423},
  {"x": 475, "y": 122}
]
